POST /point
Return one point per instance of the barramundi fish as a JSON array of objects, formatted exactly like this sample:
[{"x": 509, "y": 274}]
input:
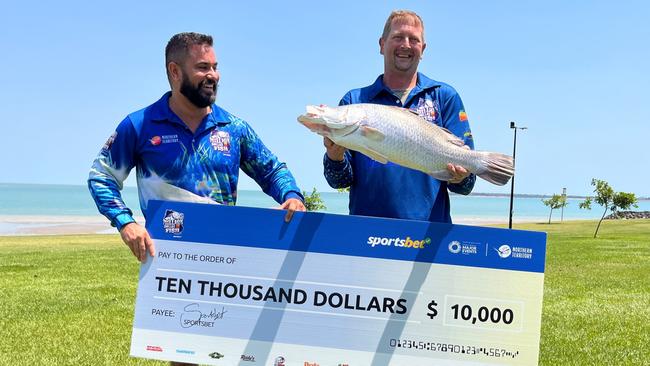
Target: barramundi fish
[{"x": 386, "y": 133}]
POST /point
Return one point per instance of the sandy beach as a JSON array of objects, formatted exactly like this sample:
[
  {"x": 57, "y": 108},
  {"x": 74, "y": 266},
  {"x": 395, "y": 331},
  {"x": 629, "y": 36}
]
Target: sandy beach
[
  {"x": 22, "y": 225},
  {"x": 56, "y": 225}
]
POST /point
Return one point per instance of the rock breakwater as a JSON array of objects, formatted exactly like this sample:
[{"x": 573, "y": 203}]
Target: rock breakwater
[{"x": 628, "y": 215}]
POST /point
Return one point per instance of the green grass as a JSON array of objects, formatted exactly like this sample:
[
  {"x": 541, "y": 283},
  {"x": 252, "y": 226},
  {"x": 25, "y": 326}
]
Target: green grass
[
  {"x": 596, "y": 293},
  {"x": 66, "y": 300},
  {"x": 69, "y": 299}
]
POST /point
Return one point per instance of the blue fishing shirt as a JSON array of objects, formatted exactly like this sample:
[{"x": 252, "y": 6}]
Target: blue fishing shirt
[
  {"x": 391, "y": 190},
  {"x": 172, "y": 163}
]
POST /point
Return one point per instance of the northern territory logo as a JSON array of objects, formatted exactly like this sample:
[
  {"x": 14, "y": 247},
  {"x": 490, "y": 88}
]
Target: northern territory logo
[
  {"x": 516, "y": 252},
  {"x": 156, "y": 140},
  {"x": 504, "y": 251},
  {"x": 173, "y": 222},
  {"x": 164, "y": 139}
]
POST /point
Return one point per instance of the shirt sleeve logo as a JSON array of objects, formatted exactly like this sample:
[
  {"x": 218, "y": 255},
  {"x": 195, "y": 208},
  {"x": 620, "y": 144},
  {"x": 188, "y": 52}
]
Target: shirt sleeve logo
[
  {"x": 109, "y": 142},
  {"x": 462, "y": 116},
  {"x": 220, "y": 141}
]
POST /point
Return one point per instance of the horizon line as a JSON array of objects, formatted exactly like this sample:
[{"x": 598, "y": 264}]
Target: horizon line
[{"x": 485, "y": 194}]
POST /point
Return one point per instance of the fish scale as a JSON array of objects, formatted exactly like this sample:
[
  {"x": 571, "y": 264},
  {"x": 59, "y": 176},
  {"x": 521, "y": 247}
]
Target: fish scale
[{"x": 386, "y": 133}]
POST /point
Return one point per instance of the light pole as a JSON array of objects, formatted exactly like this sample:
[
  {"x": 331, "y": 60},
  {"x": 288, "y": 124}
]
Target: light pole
[
  {"x": 563, "y": 203},
  {"x": 512, "y": 185}
]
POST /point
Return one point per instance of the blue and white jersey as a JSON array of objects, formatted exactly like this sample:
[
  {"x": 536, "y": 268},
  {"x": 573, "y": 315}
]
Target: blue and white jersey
[{"x": 175, "y": 164}]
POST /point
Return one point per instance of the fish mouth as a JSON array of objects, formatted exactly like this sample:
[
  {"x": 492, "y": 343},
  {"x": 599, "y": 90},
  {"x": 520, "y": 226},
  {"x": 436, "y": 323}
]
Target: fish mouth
[
  {"x": 319, "y": 119},
  {"x": 313, "y": 116},
  {"x": 315, "y": 125},
  {"x": 313, "y": 120},
  {"x": 325, "y": 131}
]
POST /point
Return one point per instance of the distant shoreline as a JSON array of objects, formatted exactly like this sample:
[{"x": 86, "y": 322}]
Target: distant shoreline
[
  {"x": 527, "y": 195},
  {"x": 477, "y": 194}
]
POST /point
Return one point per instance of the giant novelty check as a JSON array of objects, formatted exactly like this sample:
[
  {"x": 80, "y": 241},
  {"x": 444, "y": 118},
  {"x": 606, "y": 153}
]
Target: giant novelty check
[{"x": 239, "y": 286}]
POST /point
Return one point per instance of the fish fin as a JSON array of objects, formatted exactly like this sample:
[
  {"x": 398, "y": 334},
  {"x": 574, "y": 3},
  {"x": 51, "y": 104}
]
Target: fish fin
[
  {"x": 405, "y": 110},
  {"x": 414, "y": 112},
  {"x": 498, "y": 168},
  {"x": 372, "y": 133},
  {"x": 373, "y": 154},
  {"x": 443, "y": 175},
  {"x": 452, "y": 138}
]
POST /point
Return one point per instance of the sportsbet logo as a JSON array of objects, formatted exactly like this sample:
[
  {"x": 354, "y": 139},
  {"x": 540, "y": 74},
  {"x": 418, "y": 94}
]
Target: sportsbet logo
[{"x": 398, "y": 242}]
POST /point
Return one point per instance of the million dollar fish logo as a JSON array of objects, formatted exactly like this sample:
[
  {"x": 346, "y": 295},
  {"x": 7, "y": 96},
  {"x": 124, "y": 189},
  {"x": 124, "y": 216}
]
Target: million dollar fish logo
[
  {"x": 173, "y": 222},
  {"x": 427, "y": 109},
  {"x": 220, "y": 141}
]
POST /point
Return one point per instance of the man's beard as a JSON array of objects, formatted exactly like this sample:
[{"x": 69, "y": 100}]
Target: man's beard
[{"x": 198, "y": 95}]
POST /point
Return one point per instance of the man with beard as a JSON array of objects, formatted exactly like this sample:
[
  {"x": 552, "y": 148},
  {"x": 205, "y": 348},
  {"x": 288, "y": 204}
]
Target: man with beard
[
  {"x": 185, "y": 148},
  {"x": 390, "y": 190}
]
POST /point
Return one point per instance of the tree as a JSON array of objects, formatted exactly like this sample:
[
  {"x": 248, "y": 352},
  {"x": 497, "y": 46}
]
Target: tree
[
  {"x": 557, "y": 201},
  {"x": 606, "y": 197},
  {"x": 313, "y": 201}
]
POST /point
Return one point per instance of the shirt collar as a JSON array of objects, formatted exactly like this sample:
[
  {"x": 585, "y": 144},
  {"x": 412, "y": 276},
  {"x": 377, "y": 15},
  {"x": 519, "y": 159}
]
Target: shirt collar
[
  {"x": 422, "y": 83},
  {"x": 160, "y": 111}
]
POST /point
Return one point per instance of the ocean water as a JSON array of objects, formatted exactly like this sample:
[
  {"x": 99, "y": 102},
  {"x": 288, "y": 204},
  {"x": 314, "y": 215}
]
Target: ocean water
[{"x": 69, "y": 200}]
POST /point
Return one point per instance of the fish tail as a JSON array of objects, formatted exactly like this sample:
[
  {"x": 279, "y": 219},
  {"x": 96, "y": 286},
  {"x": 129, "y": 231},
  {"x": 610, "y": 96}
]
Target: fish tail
[{"x": 497, "y": 168}]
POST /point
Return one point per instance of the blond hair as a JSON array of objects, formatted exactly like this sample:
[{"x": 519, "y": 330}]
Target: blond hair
[{"x": 402, "y": 15}]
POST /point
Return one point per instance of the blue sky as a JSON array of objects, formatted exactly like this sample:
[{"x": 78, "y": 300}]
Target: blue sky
[{"x": 575, "y": 73}]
